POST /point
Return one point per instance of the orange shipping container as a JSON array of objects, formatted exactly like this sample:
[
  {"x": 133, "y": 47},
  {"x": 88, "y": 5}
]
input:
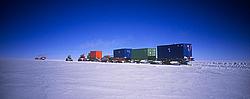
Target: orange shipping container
[{"x": 95, "y": 54}]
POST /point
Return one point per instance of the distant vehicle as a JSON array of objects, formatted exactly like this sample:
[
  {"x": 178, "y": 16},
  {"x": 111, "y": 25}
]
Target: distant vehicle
[
  {"x": 69, "y": 58},
  {"x": 175, "y": 54},
  {"x": 82, "y": 58},
  {"x": 40, "y": 58}
]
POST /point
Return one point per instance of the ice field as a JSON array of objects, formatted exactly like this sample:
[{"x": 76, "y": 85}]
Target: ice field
[{"x": 89, "y": 80}]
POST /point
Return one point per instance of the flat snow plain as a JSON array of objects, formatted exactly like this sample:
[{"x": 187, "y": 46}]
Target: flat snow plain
[{"x": 89, "y": 80}]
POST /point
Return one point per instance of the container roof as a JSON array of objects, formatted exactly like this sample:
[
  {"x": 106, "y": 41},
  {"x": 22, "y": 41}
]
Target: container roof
[
  {"x": 143, "y": 48},
  {"x": 95, "y": 51},
  {"x": 124, "y": 49},
  {"x": 177, "y": 44}
]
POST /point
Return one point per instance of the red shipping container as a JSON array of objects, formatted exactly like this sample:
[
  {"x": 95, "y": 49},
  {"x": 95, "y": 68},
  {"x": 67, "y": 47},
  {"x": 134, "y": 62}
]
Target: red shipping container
[{"x": 95, "y": 54}]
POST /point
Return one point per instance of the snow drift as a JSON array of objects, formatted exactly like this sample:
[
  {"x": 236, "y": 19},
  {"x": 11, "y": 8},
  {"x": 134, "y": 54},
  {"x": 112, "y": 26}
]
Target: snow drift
[{"x": 89, "y": 80}]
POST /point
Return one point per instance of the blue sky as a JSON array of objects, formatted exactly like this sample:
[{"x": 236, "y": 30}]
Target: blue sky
[{"x": 55, "y": 28}]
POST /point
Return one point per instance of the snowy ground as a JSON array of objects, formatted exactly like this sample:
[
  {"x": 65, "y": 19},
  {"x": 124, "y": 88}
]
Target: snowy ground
[{"x": 85, "y": 80}]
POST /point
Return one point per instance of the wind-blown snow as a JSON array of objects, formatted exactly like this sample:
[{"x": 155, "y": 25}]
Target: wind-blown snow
[{"x": 89, "y": 80}]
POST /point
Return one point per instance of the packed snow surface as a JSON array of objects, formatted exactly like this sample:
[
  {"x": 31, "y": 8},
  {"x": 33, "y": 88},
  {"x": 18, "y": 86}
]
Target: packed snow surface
[{"x": 90, "y": 80}]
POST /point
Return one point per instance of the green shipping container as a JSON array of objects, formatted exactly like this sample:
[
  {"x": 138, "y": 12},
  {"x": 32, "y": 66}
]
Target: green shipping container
[{"x": 144, "y": 54}]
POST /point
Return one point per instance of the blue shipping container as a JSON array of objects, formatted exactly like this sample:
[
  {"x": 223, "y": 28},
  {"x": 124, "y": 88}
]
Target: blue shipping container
[
  {"x": 174, "y": 51},
  {"x": 122, "y": 53}
]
